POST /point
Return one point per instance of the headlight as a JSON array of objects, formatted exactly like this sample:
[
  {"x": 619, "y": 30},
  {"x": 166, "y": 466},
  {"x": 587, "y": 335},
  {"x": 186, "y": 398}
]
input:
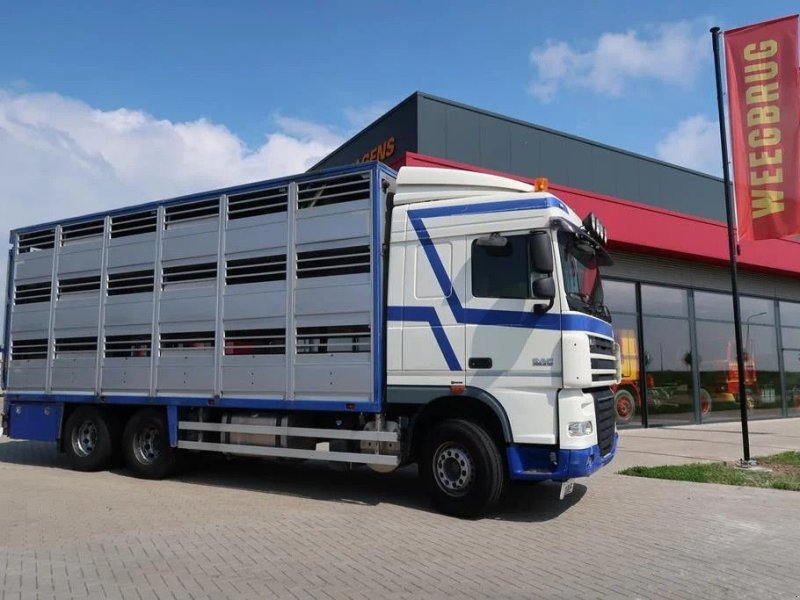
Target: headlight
[{"x": 580, "y": 428}]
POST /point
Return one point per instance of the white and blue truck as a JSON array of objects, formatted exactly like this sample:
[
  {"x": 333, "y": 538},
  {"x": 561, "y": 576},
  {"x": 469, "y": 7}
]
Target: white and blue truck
[{"x": 446, "y": 318}]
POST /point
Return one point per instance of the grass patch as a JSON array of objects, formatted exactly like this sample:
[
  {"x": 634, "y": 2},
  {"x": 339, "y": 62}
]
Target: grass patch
[
  {"x": 783, "y": 458},
  {"x": 785, "y": 473}
]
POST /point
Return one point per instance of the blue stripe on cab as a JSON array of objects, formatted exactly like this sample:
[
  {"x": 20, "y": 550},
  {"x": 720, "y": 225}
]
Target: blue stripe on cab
[{"x": 475, "y": 316}]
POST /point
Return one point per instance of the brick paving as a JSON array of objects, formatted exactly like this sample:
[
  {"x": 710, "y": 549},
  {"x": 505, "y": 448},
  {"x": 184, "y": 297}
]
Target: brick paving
[{"x": 252, "y": 529}]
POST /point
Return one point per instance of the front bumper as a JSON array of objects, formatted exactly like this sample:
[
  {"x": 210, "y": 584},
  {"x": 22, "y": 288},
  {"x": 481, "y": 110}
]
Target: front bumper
[{"x": 535, "y": 463}]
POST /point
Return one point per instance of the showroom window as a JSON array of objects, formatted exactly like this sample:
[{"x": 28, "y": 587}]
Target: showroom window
[
  {"x": 667, "y": 355},
  {"x": 790, "y": 330},
  {"x": 719, "y": 373},
  {"x": 620, "y": 297}
]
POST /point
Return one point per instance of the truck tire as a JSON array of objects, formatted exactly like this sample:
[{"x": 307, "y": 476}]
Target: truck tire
[
  {"x": 88, "y": 440},
  {"x": 625, "y": 405},
  {"x": 705, "y": 402},
  {"x": 145, "y": 445},
  {"x": 462, "y": 469}
]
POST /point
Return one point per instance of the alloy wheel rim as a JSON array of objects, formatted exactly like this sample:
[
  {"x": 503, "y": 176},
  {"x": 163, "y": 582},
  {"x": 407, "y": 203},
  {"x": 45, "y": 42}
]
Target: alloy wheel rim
[
  {"x": 84, "y": 438},
  {"x": 453, "y": 469},
  {"x": 145, "y": 445}
]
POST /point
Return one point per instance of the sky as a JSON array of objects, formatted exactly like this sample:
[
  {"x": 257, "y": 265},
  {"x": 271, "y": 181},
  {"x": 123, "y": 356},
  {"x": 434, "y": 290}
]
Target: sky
[{"x": 105, "y": 104}]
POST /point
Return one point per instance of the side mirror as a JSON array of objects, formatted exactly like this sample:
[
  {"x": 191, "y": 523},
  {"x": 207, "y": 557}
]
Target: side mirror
[
  {"x": 541, "y": 252},
  {"x": 544, "y": 288}
]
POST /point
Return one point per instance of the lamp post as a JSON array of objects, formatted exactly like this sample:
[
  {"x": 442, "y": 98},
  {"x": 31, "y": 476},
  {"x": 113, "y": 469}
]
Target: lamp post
[
  {"x": 748, "y": 355},
  {"x": 747, "y": 330}
]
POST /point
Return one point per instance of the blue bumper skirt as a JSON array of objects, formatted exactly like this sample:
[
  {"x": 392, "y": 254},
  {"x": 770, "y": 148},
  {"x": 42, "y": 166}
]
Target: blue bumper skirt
[{"x": 534, "y": 463}]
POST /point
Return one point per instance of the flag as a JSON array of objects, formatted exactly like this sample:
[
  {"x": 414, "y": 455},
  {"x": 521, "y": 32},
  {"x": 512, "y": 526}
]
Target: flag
[{"x": 761, "y": 63}]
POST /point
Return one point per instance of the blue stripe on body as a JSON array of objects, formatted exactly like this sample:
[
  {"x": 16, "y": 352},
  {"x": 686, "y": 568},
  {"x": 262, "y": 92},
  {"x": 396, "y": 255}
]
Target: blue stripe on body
[
  {"x": 498, "y": 206},
  {"x": 476, "y": 316},
  {"x": 8, "y": 305},
  {"x": 427, "y": 314},
  {"x": 199, "y": 401},
  {"x": 377, "y": 289}
]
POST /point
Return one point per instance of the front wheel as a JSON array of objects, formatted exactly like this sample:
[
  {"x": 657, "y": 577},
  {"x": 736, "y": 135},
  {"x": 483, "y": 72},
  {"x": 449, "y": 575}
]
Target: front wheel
[
  {"x": 462, "y": 469},
  {"x": 145, "y": 445}
]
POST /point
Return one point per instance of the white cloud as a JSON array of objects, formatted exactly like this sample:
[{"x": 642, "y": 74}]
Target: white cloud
[
  {"x": 694, "y": 143},
  {"x": 60, "y": 157},
  {"x": 670, "y": 53}
]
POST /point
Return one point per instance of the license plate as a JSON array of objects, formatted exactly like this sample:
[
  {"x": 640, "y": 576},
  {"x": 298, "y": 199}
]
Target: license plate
[{"x": 566, "y": 488}]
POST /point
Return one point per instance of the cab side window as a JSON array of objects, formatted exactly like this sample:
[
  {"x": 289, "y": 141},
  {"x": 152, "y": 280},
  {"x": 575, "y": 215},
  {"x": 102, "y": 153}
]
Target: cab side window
[{"x": 502, "y": 272}]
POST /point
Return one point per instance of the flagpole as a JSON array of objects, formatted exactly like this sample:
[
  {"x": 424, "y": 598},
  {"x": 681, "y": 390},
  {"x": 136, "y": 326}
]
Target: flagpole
[{"x": 737, "y": 316}]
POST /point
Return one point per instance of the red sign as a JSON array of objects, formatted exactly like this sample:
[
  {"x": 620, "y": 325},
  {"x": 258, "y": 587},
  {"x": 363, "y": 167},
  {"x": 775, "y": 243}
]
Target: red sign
[{"x": 764, "y": 99}]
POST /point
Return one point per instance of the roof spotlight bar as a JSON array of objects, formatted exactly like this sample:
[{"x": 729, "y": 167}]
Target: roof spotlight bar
[{"x": 596, "y": 229}]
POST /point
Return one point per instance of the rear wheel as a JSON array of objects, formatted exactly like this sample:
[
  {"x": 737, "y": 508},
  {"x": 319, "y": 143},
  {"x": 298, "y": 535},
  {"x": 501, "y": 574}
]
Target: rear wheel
[
  {"x": 705, "y": 402},
  {"x": 145, "y": 445},
  {"x": 462, "y": 469},
  {"x": 88, "y": 440}
]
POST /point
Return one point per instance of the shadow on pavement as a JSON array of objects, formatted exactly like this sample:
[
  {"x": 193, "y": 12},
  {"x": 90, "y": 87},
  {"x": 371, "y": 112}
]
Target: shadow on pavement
[
  {"x": 34, "y": 454},
  {"x": 320, "y": 481},
  {"x": 359, "y": 485}
]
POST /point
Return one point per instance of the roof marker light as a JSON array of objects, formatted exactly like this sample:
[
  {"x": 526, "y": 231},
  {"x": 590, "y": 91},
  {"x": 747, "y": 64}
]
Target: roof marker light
[{"x": 540, "y": 184}]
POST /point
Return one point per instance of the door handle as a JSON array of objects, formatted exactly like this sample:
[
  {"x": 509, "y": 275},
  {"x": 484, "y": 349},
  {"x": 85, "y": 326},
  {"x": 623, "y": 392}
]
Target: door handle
[{"x": 480, "y": 363}]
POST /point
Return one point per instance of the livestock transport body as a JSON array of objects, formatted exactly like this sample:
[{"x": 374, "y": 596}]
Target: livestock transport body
[{"x": 440, "y": 317}]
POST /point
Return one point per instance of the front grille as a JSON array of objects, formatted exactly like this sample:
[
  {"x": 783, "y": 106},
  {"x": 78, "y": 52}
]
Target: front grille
[
  {"x": 604, "y": 413},
  {"x": 604, "y": 360},
  {"x": 598, "y": 345}
]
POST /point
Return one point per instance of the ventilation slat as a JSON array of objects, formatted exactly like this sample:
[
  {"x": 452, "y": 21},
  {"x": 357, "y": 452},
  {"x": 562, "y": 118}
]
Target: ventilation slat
[
  {"x": 193, "y": 211},
  {"x": 255, "y": 341},
  {"x": 334, "y": 190},
  {"x": 78, "y": 285},
  {"x": 82, "y": 231},
  {"x": 187, "y": 341},
  {"x": 134, "y": 224},
  {"x": 336, "y": 261},
  {"x": 33, "y": 349},
  {"x": 333, "y": 339},
  {"x": 30, "y": 293},
  {"x": 189, "y": 273},
  {"x": 75, "y": 346},
  {"x": 130, "y": 282},
  {"x": 258, "y": 269},
  {"x": 125, "y": 346},
  {"x": 36, "y": 240},
  {"x": 262, "y": 202}
]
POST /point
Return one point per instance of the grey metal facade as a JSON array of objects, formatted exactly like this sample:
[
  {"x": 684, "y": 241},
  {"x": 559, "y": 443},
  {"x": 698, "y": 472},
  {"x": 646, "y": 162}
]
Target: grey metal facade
[
  {"x": 666, "y": 271},
  {"x": 442, "y": 128},
  {"x": 399, "y": 125}
]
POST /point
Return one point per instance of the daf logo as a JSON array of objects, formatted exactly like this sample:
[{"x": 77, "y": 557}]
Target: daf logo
[{"x": 542, "y": 362}]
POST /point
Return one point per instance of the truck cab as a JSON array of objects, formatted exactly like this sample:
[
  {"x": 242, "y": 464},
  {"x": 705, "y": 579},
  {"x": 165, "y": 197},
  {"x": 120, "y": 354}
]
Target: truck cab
[{"x": 495, "y": 299}]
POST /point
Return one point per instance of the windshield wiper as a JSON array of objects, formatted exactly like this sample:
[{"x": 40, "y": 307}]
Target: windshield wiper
[
  {"x": 583, "y": 298},
  {"x": 597, "y": 310}
]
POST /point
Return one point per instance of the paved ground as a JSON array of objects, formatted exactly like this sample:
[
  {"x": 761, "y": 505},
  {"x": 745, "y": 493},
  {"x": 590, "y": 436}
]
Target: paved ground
[
  {"x": 258, "y": 530},
  {"x": 698, "y": 443}
]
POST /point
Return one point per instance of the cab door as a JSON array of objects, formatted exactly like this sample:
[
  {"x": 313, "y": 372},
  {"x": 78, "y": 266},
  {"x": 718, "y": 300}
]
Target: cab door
[
  {"x": 433, "y": 337},
  {"x": 513, "y": 352}
]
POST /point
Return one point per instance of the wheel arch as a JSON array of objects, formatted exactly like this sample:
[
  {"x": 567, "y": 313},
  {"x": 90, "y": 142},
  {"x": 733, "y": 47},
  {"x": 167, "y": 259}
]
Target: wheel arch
[{"x": 430, "y": 405}]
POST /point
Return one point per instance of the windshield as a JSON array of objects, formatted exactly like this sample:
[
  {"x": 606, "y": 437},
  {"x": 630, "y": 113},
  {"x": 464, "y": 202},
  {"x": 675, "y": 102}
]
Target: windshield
[{"x": 581, "y": 275}]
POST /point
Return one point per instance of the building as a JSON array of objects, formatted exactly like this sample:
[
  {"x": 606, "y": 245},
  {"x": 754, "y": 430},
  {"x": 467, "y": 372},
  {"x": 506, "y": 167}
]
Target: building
[{"x": 668, "y": 290}]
